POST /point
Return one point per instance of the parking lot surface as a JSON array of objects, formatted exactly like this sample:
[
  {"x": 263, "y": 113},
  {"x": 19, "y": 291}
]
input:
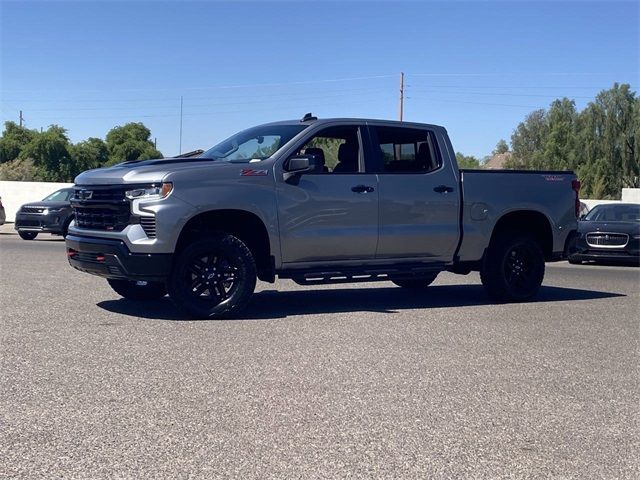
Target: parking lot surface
[{"x": 363, "y": 380}]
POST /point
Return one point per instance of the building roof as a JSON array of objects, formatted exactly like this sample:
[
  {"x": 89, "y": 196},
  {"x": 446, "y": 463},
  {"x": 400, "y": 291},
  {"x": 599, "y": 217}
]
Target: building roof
[{"x": 497, "y": 161}]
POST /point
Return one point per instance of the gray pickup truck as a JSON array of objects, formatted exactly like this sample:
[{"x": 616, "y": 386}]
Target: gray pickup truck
[{"x": 317, "y": 201}]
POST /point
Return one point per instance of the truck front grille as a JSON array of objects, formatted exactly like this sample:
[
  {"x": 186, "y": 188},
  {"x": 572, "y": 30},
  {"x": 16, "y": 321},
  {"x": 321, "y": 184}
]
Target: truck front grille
[
  {"x": 612, "y": 240},
  {"x": 102, "y": 218},
  {"x": 101, "y": 207}
]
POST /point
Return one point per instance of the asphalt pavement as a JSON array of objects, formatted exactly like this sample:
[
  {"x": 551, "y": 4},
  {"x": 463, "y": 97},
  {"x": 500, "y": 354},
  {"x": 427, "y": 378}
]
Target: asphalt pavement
[{"x": 358, "y": 380}]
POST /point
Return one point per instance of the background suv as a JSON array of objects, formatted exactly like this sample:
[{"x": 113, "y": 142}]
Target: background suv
[{"x": 52, "y": 215}]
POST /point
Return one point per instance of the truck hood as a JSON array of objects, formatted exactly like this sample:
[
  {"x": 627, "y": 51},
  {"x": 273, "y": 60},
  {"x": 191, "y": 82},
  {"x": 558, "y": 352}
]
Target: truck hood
[{"x": 147, "y": 171}]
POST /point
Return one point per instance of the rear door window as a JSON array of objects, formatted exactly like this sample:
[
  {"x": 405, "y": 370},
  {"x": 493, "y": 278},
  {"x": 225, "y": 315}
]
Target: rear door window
[{"x": 406, "y": 150}]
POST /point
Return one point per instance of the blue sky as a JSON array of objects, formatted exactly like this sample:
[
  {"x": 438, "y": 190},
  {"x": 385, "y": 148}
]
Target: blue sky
[{"x": 475, "y": 67}]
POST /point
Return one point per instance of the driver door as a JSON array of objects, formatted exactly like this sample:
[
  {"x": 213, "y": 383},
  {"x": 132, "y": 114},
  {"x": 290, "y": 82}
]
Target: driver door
[{"x": 330, "y": 215}]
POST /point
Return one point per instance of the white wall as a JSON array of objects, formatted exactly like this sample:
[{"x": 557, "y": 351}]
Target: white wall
[
  {"x": 631, "y": 195},
  {"x": 15, "y": 194}
]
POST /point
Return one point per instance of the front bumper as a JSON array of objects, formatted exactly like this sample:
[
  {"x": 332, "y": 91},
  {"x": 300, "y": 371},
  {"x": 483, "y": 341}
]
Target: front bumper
[
  {"x": 581, "y": 251},
  {"x": 597, "y": 256},
  {"x": 51, "y": 223},
  {"x": 112, "y": 259}
]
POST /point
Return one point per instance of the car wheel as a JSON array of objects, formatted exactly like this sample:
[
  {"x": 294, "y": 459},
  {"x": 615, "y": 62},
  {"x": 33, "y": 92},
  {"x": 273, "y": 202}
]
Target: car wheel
[
  {"x": 28, "y": 235},
  {"x": 415, "y": 283},
  {"x": 138, "y": 290},
  {"x": 513, "y": 268},
  {"x": 213, "y": 278},
  {"x": 573, "y": 261}
]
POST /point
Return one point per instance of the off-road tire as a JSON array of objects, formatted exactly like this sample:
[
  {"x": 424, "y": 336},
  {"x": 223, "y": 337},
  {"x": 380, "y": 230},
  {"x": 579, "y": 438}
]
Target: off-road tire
[
  {"x": 513, "y": 268},
  {"x": 28, "y": 235},
  {"x": 415, "y": 283},
  {"x": 138, "y": 290},
  {"x": 204, "y": 270}
]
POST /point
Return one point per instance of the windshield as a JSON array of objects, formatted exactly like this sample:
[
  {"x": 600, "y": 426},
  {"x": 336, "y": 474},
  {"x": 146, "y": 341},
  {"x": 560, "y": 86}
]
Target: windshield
[
  {"x": 60, "y": 196},
  {"x": 254, "y": 143},
  {"x": 614, "y": 213}
]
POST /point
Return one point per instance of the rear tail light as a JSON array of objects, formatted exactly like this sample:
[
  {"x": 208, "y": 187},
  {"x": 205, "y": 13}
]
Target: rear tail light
[{"x": 575, "y": 186}]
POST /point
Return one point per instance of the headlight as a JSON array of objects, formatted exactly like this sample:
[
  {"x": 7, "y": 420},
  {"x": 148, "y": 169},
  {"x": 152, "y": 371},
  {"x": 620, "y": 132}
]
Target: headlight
[
  {"x": 154, "y": 191},
  {"x": 47, "y": 211}
]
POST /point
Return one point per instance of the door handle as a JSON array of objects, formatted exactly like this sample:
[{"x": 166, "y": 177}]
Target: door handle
[
  {"x": 443, "y": 189},
  {"x": 362, "y": 189}
]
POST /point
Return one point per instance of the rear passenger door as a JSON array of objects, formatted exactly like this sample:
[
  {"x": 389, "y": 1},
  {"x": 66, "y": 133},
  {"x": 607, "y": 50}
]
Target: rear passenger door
[{"x": 418, "y": 195}]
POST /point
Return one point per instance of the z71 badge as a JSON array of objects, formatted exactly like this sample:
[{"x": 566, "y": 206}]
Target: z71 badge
[{"x": 250, "y": 172}]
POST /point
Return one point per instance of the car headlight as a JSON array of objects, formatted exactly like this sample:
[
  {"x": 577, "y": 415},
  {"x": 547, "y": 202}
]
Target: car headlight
[
  {"x": 47, "y": 211},
  {"x": 154, "y": 191}
]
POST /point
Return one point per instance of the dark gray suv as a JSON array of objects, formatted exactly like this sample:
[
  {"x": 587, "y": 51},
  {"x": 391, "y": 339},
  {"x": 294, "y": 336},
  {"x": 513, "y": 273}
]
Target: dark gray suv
[{"x": 52, "y": 215}]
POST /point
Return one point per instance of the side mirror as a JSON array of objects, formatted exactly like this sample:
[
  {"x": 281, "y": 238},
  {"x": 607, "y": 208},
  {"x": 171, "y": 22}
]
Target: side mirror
[
  {"x": 299, "y": 164},
  {"x": 302, "y": 164}
]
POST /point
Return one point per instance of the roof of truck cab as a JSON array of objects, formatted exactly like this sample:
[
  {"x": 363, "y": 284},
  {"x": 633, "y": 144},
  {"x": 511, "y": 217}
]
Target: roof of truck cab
[{"x": 352, "y": 120}]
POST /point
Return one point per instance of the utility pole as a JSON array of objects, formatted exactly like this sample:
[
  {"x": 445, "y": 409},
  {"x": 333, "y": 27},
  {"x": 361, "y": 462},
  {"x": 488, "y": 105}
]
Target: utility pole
[
  {"x": 401, "y": 96},
  {"x": 21, "y": 118},
  {"x": 180, "y": 148}
]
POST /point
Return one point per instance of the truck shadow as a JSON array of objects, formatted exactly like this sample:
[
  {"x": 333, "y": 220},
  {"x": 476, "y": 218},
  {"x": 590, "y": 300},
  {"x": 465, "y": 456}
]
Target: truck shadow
[{"x": 272, "y": 304}]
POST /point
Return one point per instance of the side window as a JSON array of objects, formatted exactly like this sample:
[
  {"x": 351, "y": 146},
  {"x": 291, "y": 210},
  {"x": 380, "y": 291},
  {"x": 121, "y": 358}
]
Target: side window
[
  {"x": 339, "y": 146},
  {"x": 407, "y": 150}
]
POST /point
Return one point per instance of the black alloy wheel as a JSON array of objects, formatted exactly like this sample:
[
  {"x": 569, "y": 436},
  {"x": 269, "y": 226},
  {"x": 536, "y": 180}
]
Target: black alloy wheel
[
  {"x": 513, "y": 269},
  {"x": 28, "y": 235},
  {"x": 213, "y": 278}
]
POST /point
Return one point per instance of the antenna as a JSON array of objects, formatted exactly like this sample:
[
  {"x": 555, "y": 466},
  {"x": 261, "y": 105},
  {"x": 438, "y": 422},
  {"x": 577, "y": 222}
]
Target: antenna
[{"x": 308, "y": 117}]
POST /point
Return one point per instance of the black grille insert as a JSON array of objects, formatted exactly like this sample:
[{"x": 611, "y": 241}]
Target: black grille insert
[
  {"x": 149, "y": 226},
  {"x": 101, "y": 207},
  {"x": 28, "y": 209}
]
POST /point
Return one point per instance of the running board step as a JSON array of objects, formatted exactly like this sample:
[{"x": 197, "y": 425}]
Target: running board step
[{"x": 319, "y": 277}]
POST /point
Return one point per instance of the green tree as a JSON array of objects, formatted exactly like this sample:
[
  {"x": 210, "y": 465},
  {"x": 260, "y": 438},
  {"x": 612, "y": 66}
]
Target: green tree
[
  {"x": 559, "y": 142},
  {"x": 49, "y": 151},
  {"x": 91, "y": 153},
  {"x": 467, "y": 161},
  {"x": 20, "y": 170},
  {"x": 501, "y": 147},
  {"x": 130, "y": 142},
  {"x": 527, "y": 142},
  {"x": 14, "y": 139}
]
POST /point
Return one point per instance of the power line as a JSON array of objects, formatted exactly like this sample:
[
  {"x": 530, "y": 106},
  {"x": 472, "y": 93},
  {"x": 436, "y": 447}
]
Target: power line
[
  {"x": 295, "y": 97},
  {"x": 481, "y": 103},
  {"x": 508, "y": 94},
  {"x": 222, "y": 87},
  {"x": 212, "y": 113},
  {"x": 528, "y": 74}
]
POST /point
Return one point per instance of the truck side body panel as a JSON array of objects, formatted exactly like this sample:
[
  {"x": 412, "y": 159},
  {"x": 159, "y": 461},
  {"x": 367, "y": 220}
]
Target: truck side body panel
[{"x": 490, "y": 195}]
